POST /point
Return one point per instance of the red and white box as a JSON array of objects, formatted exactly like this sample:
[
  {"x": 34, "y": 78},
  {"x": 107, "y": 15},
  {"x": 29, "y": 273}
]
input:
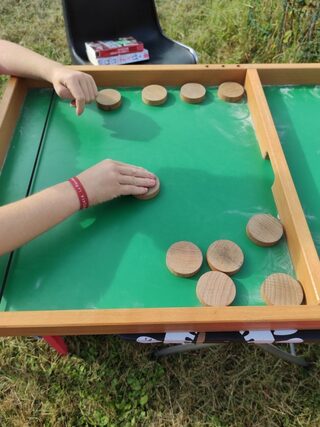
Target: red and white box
[
  {"x": 99, "y": 52},
  {"x": 128, "y": 58}
]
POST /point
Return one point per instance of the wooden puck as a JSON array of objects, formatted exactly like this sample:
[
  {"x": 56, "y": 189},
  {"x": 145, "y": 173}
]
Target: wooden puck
[
  {"x": 225, "y": 256},
  {"x": 154, "y": 95},
  {"x": 192, "y": 93},
  {"x": 108, "y": 99},
  {"x": 184, "y": 259},
  {"x": 264, "y": 230},
  {"x": 231, "y": 91},
  {"x": 281, "y": 289},
  {"x": 215, "y": 289},
  {"x": 151, "y": 193}
]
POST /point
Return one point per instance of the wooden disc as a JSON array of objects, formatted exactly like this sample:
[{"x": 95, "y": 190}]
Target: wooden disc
[
  {"x": 225, "y": 256},
  {"x": 192, "y": 92},
  {"x": 154, "y": 95},
  {"x": 151, "y": 193},
  {"x": 215, "y": 289},
  {"x": 281, "y": 289},
  {"x": 231, "y": 91},
  {"x": 108, "y": 99},
  {"x": 264, "y": 230},
  {"x": 184, "y": 259}
]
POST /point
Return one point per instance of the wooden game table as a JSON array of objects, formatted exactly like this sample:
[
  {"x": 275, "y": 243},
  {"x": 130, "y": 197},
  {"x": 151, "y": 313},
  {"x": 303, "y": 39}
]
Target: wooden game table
[{"x": 103, "y": 270}]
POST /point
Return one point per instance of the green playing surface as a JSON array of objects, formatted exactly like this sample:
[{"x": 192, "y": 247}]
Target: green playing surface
[
  {"x": 296, "y": 113},
  {"x": 213, "y": 179}
]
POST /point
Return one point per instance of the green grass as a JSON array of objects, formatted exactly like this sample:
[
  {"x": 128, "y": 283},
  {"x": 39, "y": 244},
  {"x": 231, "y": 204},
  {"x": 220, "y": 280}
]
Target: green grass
[{"x": 110, "y": 382}]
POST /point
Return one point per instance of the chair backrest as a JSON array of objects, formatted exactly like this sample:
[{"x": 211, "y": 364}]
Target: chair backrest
[{"x": 89, "y": 20}]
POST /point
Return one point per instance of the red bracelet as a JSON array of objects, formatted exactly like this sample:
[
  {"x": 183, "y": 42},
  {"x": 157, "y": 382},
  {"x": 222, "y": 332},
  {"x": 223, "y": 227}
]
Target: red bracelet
[{"x": 81, "y": 192}]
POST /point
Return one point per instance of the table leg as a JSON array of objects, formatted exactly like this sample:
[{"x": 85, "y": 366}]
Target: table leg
[
  {"x": 58, "y": 344},
  {"x": 270, "y": 348},
  {"x": 285, "y": 355}
]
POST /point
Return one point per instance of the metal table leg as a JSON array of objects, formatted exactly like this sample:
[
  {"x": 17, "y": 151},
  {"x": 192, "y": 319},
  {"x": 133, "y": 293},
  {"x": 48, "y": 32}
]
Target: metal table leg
[
  {"x": 285, "y": 355},
  {"x": 179, "y": 348},
  {"x": 270, "y": 348}
]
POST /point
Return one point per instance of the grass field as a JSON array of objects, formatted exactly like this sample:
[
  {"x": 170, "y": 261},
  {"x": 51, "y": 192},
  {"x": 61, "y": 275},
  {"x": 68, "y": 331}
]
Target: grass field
[{"x": 108, "y": 382}]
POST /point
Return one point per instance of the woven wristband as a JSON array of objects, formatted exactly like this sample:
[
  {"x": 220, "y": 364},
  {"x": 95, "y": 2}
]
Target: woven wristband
[{"x": 81, "y": 192}]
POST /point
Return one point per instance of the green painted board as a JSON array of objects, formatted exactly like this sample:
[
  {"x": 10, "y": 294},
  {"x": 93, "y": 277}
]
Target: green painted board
[
  {"x": 296, "y": 113},
  {"x": 213, "y": 179},
  {"x": 15, "y": 175}
]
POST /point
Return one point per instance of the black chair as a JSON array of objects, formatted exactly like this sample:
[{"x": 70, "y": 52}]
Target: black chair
[{"x": 89, "y": 20}]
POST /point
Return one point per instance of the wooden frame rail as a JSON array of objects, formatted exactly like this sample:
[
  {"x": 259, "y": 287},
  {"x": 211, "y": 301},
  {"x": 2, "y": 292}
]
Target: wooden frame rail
[{"x": 300, "y": 243}]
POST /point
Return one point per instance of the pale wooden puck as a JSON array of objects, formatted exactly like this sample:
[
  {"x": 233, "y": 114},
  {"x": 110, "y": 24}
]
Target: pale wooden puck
[
  {"x": 281, "y": 289},
  {"x": 154, "y": 95},
  {"x": 184, "y": 259},
  {"x": 151, "y": 193},
  {"x": 215, "y": 289},
  {"x": 225, "y": 256},
  {"x": 264, "y": 230},
  {"x": 108, "y": 99},
  {"x": 231, "y": 91},
  {"x": 192, "y": 93}
]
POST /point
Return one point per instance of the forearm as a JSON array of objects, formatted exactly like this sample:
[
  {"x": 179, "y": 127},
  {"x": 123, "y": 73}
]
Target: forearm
[
  {"x": 19, "y": 61},
  {"x": 26, "y": 219}
]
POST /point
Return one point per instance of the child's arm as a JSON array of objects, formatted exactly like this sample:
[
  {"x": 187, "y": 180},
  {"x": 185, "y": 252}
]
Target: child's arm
[
  {"x": 19, "y": 61},
  {"x": 26, "y": 219}
]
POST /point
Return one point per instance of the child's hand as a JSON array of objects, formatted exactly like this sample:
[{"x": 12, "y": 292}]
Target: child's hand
[
  {"x": 109, "y": 179},
  {"x": 72, "y": 84}
]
